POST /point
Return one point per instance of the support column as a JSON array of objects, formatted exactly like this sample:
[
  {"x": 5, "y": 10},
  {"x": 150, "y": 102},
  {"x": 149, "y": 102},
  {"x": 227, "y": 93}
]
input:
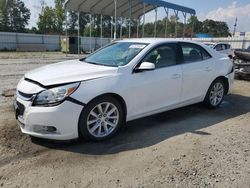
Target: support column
[
  {"x": 111, "y": 32},
  {"x": 78, "y": 33},
  {"x": 176, "y": 23},
  {"x": 185, "y": 22},
  {"x": 155, "y": 21},
  {"x": 101, "y": 31},
  {"x": 166, "y": 28},
  {"x": 66, "y": 31},
  {"x": 129, "y": 29},
  {"x": 121, "y": 28},
  {"x": 192, "y": 29},
  {"x": 90, "y": 33},
  {"x": 115, "y": 2},
  {"x": 138, "y": 27},
  {"x": 143, "y": 20}
]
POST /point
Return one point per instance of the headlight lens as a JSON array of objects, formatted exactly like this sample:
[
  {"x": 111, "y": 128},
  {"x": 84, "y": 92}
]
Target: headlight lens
[{"x": 55, "y": 95}]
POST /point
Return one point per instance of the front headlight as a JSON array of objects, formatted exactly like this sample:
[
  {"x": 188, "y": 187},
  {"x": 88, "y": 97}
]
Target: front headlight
[{"x": 55, "y": 95}]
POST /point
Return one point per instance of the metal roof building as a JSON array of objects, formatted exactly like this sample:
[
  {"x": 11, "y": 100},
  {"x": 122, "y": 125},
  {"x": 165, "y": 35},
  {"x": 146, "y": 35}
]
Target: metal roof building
[{"x": 126, "y": 9}]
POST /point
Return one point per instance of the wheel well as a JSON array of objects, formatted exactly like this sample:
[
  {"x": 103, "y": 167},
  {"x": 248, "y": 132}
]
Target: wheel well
[
  {"x": 115, "y": 96},
  {"x": 225, "y": 81},
  {"x": 119, "y": 99}
]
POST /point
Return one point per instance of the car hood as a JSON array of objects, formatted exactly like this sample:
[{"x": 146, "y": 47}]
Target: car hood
[{"x": 69, "y": 71}]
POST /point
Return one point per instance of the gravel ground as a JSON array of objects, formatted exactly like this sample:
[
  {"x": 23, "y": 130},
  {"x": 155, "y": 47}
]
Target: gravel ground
[
  {"x": 12, "y": 69},
  {"x": 188, "y": 147}
]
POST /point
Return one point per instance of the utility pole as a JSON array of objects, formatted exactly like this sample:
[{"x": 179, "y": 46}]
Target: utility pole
[{"x": 235, "y": 26}]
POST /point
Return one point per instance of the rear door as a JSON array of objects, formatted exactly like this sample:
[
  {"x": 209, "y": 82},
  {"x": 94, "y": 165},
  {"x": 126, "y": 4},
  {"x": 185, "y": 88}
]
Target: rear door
[{"x": 198, "y": 68}]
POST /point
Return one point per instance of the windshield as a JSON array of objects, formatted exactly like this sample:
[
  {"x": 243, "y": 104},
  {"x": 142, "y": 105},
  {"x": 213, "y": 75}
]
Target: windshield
[{"x": 116, "y": 54}]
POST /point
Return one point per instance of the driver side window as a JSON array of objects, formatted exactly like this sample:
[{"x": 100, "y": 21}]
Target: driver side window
[{"x": 162, "y": 56}]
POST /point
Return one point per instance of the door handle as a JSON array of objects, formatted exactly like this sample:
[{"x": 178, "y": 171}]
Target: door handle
[
  {"x": 176, "y": 76},
  {"x": 208, "y": 69}
]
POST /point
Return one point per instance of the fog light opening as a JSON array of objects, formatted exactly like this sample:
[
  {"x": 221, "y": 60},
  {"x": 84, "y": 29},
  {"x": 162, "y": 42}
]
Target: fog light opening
[
  {"x": 45, "y": 129},
  {"x": 51, "y": 129}
]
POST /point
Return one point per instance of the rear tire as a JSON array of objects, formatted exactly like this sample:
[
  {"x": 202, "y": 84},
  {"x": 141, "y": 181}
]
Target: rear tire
[
  {"x": 215, "y": 94},
  {"x": 101, "y": 119}
]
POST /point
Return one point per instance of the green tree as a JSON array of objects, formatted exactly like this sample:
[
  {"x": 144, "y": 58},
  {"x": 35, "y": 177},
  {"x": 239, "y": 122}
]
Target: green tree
[
  {"x": 4, "y": 17},
  {"x": 72, "y": 25},
  {"x": 72, "y": 22},
  {"x": 32, "y": 30},
  {"x": 52, "y": 20},
  {"x": 20, "y": 16},
  {"x": 223, "y": 30},
  {"x": 93, "y": 31},
  {"x": 215, "y": 28},
  {"x": 60, "y": 16},
  {"x": 84, "y": 20},
  {"x": 195, "y": 24},
  {"x": 47, "y": 20},
  {"x": 14, "y": 16},
  {"x": 106, "y": 26}
]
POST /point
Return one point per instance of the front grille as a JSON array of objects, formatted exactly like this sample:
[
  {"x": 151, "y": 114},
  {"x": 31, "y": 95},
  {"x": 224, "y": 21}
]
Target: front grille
[{"x": 20, "y": 108}]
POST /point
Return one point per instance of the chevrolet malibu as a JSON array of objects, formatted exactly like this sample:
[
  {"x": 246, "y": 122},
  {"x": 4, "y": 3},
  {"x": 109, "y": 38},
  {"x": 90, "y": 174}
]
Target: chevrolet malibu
[{"x": 129, "y": 79}]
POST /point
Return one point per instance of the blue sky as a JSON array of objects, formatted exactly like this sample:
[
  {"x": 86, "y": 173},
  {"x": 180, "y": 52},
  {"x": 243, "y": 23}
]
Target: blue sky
[
  {"x": 202, "y": 6},
  {"x": 221, "y": 10}
]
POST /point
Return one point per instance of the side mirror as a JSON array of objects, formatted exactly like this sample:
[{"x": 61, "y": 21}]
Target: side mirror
[{"x": 146, "y": 66}]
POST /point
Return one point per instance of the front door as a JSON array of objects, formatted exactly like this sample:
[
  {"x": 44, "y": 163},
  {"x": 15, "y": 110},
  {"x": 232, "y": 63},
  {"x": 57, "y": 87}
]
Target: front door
[{"x": 157, "y": 89}]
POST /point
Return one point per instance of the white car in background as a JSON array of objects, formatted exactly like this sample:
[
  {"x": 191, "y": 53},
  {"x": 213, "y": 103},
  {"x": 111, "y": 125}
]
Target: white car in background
[
  {"x": 221, "y": 47},
  {"x": 129, "y": 79}
]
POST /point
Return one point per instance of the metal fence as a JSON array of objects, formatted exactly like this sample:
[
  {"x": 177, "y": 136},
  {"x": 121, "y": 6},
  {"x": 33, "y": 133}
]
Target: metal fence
[
  {"x": 235, "y": 42},
  {"x": 96, "y": 43},
  {"x": 10, "y": 41}
]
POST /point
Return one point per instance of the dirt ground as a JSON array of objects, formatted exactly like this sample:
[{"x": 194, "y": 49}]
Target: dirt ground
[{"x": 188, "y": 147}]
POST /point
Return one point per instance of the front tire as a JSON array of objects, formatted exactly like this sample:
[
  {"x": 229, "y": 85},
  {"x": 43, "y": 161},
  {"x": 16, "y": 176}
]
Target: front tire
[
  {"x": 215, "y": 94},
  {"x": 101, "y": 119}
]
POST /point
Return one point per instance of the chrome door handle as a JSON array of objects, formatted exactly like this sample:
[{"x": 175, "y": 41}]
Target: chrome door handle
[{"x": 176, "y": 76}]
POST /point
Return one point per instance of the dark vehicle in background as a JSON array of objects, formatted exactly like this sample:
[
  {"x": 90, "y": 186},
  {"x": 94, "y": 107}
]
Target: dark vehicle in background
[
  {"x": 242, "y": 63},
  {"x": 243, "y": 54}
]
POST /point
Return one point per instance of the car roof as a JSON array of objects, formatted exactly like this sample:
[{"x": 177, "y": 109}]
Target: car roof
[
  {"x": 212, "y": 43},
  {"x": 155, "y": 40},
  {"x": 222, "y": 43}
]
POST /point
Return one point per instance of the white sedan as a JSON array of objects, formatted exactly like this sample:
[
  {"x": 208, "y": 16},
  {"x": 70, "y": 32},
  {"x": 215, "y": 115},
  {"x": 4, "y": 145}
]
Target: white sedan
[
  {"x": 223, "y": 48},
  {"x": 129, "y": 79}
]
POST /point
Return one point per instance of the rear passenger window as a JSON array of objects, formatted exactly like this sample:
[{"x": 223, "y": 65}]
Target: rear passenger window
[
  {"x": 193, "y": 53},
  {"x": 205, "y": 54}
]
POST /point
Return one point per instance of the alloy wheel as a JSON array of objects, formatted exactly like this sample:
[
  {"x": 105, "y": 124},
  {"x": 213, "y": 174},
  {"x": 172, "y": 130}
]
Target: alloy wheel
[
  {"x": 216, "y": 94},
  {"x": 103, "y": 119}
]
